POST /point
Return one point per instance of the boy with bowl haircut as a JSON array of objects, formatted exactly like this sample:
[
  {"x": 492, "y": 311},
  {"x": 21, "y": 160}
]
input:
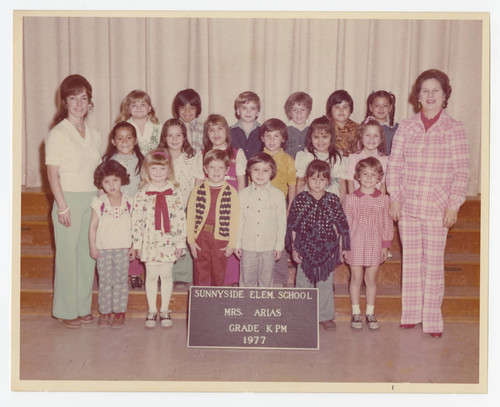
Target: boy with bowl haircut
[
  {"x": 298, "y": 107},
  {"x": 261, "y": 233},
  {"x": 213, "y": 214},
  {"x": 339, "y": 108},
  {"x": 274, "y": 134},
  {"x": 245, "y": 132}
]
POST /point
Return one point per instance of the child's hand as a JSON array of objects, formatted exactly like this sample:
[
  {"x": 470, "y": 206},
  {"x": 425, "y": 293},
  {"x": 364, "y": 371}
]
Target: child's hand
[
  {"x": 277, "y": 254},
  {"x": 95, "y": 253},
  {"x": 238, "y": 252},
  {"x": 228, "y": 251},
  {"x": 138, "y": 254},
  {"x": 384, "y": 254},
  {"x": 178, "y": 253},
  {"x": 343, "y": 255},
  {"x": 193, "y": 248},
  {"x": 296, "y": 258},
  {"x": 131, "y": 254}
]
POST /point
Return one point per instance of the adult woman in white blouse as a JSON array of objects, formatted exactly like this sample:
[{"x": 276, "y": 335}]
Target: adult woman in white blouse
[{"x": 72, "y": 152}]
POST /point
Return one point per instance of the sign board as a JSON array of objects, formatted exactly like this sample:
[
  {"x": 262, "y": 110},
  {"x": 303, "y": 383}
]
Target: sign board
[{"x": 264, "y": 318}]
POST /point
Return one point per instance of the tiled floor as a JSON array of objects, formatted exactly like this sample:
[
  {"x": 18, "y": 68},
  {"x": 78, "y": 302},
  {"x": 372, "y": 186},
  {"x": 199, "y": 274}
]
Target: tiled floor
[{"x": 160, "y": 357}]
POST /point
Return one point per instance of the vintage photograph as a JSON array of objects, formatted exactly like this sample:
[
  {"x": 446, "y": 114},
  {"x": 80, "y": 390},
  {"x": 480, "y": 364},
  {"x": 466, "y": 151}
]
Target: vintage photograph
[{"x": 306, "y": 188}]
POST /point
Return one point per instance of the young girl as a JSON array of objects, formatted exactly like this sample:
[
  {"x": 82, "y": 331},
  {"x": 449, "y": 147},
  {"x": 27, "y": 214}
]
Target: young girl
[
  {"x": 370, "y": 142},
  {"x": 317, "y": 234},
  {"x": 123, "y": 147},
  {"x": 158, "y": 230},
  {"x": 382, "y": 105},
  {"x": 187, "y": 107},
  {"x": 217, "y": 135},
  {"x": 110, "y": 241},
  {"x": 371, "y": 232},
  {"x": 175, "y": 141},
  {"x": 320, "y": 144},
  {"x": 137, "y": 109}
]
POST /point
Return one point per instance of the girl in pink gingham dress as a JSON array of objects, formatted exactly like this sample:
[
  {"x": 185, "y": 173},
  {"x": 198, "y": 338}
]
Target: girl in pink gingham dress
[{"x": 371, "y": 232}]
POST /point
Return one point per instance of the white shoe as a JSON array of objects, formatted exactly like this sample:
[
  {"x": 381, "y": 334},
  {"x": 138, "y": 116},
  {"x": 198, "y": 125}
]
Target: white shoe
[
  {"x": 151, "y": 320},
  {"x": 165, "y": 319}
]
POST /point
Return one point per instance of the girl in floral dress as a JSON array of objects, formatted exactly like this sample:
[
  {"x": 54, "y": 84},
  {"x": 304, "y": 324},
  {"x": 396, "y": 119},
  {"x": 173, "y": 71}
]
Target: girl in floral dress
[{"x": 158, "y": 230}]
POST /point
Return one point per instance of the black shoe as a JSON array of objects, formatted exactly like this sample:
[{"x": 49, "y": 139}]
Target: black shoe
[{"x": 136, "y": 282}]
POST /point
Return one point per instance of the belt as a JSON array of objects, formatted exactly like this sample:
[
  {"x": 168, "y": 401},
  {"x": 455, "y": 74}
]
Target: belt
[{"x": 208, "y": 228}]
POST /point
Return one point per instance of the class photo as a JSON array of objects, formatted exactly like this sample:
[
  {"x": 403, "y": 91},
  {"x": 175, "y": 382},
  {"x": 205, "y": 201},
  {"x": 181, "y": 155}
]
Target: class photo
[{"x": 157, "y": 152}]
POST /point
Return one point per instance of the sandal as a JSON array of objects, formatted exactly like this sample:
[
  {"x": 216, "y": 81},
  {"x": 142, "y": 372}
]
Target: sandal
[
  {"x": 71, "y": 323},
  {"x": 86, "y": 319}
]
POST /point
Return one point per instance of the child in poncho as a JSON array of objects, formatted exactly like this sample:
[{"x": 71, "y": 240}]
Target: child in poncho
[{"x": 318, "y": 238}]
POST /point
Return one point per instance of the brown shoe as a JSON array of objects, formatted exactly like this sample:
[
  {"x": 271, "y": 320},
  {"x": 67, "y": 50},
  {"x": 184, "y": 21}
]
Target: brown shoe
[
  {"x": 119, "y": 320},
  {"x": 86, "y": 319},
  {"x": 104, "y": 321},
  {"x": 71, "y": 323},
  {"x": 329, "y": 325}
]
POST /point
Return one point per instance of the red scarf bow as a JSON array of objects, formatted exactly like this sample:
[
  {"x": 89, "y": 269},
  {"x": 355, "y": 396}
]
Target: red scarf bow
[{"x": 161, "y": 209}]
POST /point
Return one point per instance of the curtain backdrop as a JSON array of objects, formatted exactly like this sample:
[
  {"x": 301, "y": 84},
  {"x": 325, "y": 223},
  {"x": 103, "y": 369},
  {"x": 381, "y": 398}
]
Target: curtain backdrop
[{"x": 221, "y": 57}]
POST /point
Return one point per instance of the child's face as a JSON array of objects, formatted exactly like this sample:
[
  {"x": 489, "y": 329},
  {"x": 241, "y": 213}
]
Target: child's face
[
  {"x": 260, "y": 174},
  {"x": 341, "y": 112},
  {"x": 124, "y": 141},
  {"x": 321, "y": 140},
  {"x": 174, "y": 138},
  {"x": 139, "y": 109},
  {"x": 248, "y": 112},
  {"x": 78, "y": 105},
  {"x": 216, "y": 171},
  {"x": 299, "y": 114},
  {"x": 187, "y": 113},
  {"x": 111, "y": 185},
  {"x": 381, "y": 108},
  {"x": 158, "y": 174},
  {"x": 217, "y": 135},
  {"x": 317, "y": 183},
  {"x": 368, "y": 177},
  {"x": 371, "y": 138},
  {"x": 273, "y": 140}
]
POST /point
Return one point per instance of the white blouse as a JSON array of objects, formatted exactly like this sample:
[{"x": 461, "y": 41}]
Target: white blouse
[
  {"x": 76, "y": 157},
  {"x": 114, "y": 229}
]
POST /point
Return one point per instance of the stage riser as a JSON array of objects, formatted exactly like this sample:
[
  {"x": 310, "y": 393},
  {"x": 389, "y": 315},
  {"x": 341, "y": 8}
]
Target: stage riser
[
  {"x": 459, "y": 240},
  {"x": 457, "y": 274},
  {"x": 462, "y": 269},
  {"x": 40, "y": 302}
]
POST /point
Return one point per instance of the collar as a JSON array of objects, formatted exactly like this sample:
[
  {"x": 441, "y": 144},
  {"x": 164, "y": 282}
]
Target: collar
[
  {"x": 429, "y": 122},
  {"x": 151, "y": 187},
  {"x": 271, "y": 154},
  {"x": 238, "y": 124},
  {"x": 292, "y": 124},
  {"x": 267, "y": 187},
  {"x": 360, "y": 194}
]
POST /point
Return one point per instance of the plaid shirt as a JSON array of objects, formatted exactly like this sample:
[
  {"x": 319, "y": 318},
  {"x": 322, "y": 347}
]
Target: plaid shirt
[{"x": 428, "y": 171}]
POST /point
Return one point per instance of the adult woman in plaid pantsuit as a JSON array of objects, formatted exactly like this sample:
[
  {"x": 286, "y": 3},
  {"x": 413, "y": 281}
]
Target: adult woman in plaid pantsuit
[{"x": 427, "y": 178}]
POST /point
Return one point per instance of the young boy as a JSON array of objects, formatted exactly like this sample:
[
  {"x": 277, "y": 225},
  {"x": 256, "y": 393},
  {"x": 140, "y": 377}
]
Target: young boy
[
  {"x": 273, "y": 134},
  {"x": 298, "y": 107},
  {"x": 245, "y": 132},
  {"x": 339, "y": 108},
  {"x": 213, "y": 214},
  {"x": 261, "y": 233}
]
